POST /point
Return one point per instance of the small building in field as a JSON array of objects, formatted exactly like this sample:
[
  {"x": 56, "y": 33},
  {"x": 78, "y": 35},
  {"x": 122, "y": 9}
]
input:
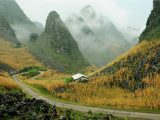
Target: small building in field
[{"x": 80, "y": 77}]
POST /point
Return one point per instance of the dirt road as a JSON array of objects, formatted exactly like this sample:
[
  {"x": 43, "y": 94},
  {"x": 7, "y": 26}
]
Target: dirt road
[{"x": 145, "y": 116}]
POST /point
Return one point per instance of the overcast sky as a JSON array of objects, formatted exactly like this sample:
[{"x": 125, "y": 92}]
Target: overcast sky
[{"x": 122, "y": 13}]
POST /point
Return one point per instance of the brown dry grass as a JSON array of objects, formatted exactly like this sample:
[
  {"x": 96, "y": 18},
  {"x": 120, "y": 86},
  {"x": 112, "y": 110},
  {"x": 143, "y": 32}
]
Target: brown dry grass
[
  {"x": 142, "y": 48},
  {"x": 16, "y": 57},
  {"x": 98, "y": 95},
  {"x": 7, "y": 82},
  {"x": 98, "y": 92}
]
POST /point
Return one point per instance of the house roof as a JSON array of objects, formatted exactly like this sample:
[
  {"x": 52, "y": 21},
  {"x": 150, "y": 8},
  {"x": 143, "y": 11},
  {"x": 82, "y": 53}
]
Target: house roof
[{"x": 78, "y": 75}]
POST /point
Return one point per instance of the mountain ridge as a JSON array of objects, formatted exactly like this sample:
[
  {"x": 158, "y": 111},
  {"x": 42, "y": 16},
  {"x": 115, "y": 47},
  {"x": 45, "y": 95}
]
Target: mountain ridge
[
  {"x": 6, "y": 32},
  {"x": 153, "y": 23},
  {"x": 56, "y": 47},
  {"x": 95, "y": 34},
  {"x": 138, "y": 63},
  {"x": 18, "y": 20}
]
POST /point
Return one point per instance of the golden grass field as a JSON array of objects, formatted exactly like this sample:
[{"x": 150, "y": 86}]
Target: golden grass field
[
  {"x": 93, "y": 93},
  {"x": 7, "y": 82},
  {"x": 142, "y": 48},
  {"x": 19, "y": 58},
  {"x": 16, "y": 57},
  {"x": 98, "y": 92}
]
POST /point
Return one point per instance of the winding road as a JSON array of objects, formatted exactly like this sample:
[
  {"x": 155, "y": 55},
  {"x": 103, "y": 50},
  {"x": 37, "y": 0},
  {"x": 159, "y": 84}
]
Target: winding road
[{"x": 145, "y": 116}]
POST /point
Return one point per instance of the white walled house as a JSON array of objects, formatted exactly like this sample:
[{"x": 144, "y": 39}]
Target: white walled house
[{"x": 80, "y": 77}]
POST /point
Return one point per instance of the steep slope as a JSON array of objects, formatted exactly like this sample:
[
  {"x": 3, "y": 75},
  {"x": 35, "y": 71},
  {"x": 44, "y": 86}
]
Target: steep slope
[
  {"x": 88, "y": 43},
  {"x": 17, "y": 19},
  {"x": 131, "y": 81},
  {"x": 6, "y": 32},
  {"x": 12, "y": 12},
  {"x": 15, "y": 58},
  {"x": 98, "y": 39},
  {"x": 57, "y": 48},
  {"x": 152, "y": 30},
  {"x": 140, "y": 62},
  {"x": 101, "y": 26}
]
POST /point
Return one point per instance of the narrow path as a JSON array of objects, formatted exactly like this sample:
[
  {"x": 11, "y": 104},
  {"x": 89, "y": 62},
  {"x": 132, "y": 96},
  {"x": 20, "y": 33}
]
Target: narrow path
[{"x": 146, "y": 116}]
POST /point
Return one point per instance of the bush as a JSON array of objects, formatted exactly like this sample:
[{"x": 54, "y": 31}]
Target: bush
[
  {"x": 27, "y": 69},
  {"x": 33, "y": 37},
  {"x": 31, "y": 73},
  {"x": 68, "y": 80}
]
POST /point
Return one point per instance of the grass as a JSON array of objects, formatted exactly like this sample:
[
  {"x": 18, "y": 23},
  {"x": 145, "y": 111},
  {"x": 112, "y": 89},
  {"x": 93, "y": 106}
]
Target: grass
[
  {"x": 44, "y": 92},
  {"x": 7, "y": 82},
  {"x": 104, "y": 91},
  {"x": 148, "y": 48},
  {"x": 22, "y": 59},
  {"x": 76, "y": 115},
  {"x": 17, "y": 58}
]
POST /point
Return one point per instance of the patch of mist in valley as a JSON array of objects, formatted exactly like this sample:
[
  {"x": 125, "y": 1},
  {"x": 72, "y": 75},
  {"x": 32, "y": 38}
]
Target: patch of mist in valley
[
  {"x": 98, "y": 39},
  {"x": 23, "y": 31}
]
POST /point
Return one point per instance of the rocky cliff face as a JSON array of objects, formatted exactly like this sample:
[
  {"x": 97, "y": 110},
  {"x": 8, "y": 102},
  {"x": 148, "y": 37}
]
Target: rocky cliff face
[
  {"x": 153, "y": 23},
  {"x": 6, "y": 31},
  {"x": 57, "y": 48},
  {"x": 17, "y": 19}
]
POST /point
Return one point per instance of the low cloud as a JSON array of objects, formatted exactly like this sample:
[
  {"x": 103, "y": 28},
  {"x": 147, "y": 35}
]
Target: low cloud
[
  {"x": 108, "y": 8},
  {"x": 122, "y": 13}
]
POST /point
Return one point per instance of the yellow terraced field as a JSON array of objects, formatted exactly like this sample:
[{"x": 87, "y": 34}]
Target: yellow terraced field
[{"x": 16, "y": 57}]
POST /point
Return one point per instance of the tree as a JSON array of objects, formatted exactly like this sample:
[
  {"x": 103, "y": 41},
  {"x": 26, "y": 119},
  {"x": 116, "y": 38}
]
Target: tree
[{"x": 33, "y": 37}]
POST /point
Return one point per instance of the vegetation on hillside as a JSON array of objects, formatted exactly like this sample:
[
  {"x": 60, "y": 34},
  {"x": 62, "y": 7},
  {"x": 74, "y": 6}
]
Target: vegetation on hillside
[
  {"x": 56, "y": 47},
  {"x": 16, "y": 58},
  {"x": 17, "y": 19},
  {"x": 16, "y": 106},
  {"x": 7, "y": 32},
  {"x": 6, "y": 82},
  {"x": 131, "y": 81},
  {"x": 141, "y": 61},
  {"x": 153, "y": 23},
  {"x": 100, "y": 92},
  {"x": 108, "y": 89}
]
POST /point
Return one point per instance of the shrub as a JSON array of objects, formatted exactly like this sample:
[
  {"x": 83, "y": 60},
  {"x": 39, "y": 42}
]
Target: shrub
[
  {"x": 68, "y": 80},
  {"x": 33, "y": 37}
]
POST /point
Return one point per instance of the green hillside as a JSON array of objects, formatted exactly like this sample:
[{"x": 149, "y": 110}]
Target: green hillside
[
  {"x": 7, "y": 32},
  {"x": 152, "y": 30},
  {"x": 12, "y": 12},
  {"x": 57, "y": 48},
  {"x": 141, "y": 61},
  {"x": 18, "y": 20},
  {"x": 131, "y": 81}
]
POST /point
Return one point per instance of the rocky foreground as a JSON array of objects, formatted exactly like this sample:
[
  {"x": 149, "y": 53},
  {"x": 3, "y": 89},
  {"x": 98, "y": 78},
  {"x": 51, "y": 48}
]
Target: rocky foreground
[{"x": 15, "y": 106}]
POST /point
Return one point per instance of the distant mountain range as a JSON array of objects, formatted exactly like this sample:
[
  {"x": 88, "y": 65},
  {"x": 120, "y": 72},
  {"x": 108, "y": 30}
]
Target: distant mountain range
[
  {"x": 94, "y": 37},
  {"x": 98, "y": 38}
]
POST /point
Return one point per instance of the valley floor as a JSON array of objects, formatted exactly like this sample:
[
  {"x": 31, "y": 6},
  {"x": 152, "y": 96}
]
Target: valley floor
[
  {"x": 108, "y": 90},
  {"x": 15, "y": 105},
  {"x": 98, "y": 92},
  {"x": 86, "y": 109}
]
